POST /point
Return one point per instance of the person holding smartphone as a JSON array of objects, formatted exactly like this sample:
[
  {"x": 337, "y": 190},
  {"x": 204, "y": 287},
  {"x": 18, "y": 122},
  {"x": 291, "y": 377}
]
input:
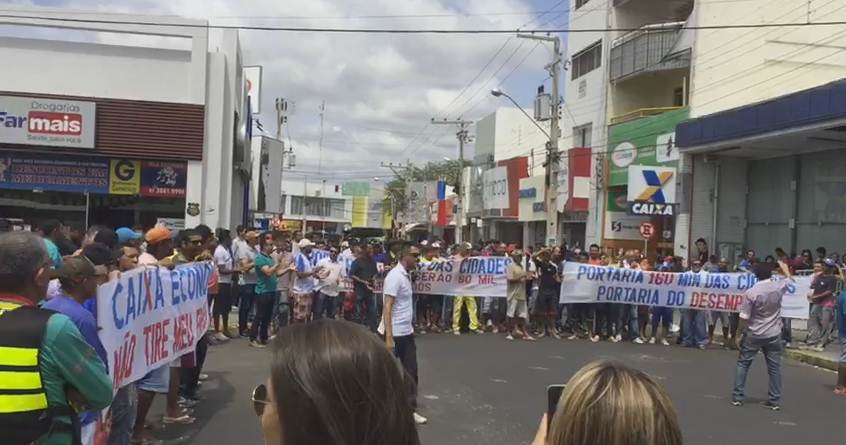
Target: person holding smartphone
[{"x": 604, "y": 403}]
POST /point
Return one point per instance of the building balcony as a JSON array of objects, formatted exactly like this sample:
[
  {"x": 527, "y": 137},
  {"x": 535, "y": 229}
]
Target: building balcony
[{"x": 651, "y": 48}]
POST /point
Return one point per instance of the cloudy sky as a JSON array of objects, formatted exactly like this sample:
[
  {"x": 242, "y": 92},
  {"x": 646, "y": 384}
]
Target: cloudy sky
[{"x": 380, "y": 90}]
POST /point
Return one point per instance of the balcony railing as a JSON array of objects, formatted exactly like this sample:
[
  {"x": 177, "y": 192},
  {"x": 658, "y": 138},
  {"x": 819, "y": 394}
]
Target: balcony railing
[{"x": 650, "y": 48}]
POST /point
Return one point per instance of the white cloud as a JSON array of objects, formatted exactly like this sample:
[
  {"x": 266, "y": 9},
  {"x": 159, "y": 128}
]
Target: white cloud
[{"x": 372, "y": 83}]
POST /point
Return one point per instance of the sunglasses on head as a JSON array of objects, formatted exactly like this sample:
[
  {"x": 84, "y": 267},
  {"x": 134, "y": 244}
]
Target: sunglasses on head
[{"x": 259, "y": 399}]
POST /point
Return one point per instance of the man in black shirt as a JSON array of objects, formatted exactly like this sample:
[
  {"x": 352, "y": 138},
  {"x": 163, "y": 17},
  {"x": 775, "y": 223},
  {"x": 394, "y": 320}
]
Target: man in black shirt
[
  {"x": 547, "y": 302},
  {"x": 363, "y": 271}
]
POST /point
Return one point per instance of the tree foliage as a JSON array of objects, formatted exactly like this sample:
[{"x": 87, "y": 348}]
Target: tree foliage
[{"x": 432, "y": 171}]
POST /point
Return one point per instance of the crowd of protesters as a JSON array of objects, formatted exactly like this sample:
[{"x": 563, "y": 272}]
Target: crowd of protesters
[{"x": 274, "y": 278}]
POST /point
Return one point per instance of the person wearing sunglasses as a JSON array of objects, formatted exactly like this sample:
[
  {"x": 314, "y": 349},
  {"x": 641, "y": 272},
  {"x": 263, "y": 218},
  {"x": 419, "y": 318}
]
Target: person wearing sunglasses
[
  {"x": 397, "y": 317},
  {"x": 333, "y": 382}
]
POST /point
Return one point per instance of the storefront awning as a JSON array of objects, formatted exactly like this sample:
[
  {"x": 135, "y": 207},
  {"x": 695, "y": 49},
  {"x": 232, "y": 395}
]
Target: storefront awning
[{"x": 802, "y": 122}]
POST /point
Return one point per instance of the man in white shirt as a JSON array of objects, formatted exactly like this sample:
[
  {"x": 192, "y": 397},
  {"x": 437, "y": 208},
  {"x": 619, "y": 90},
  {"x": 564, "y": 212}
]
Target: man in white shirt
[
  {"x": 223, "y": 303},
  {"x": 304, "y": 283},
  {"x": 397, "y": 319},
  {"x": 245, "y": 257},
  {"x": 328, "y": 285}
]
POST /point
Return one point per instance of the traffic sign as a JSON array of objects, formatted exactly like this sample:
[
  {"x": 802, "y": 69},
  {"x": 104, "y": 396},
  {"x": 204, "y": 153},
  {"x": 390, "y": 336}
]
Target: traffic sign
[{"x": 647, "y": 230}]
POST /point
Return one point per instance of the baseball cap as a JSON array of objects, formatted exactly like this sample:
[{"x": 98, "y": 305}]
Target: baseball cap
[
  {"x": 157, "y": 235},
  {"x": 251, "y": 235},
  {"x": 305, "y": 242},
  {"x": 101, "y": 254},
  {"x": 125, "y": 234},
  {"x": 829, "y": 262},
  {"x": 78, "y": 267}
]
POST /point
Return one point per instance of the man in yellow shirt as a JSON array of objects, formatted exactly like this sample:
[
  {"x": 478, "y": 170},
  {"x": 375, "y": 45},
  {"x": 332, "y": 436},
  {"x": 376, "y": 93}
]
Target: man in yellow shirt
[{"x": 470, "y": 302}]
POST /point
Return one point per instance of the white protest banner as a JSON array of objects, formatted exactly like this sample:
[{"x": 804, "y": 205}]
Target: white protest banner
[
  {"x": 495, "y": 188},
  {"x": 152, "y": 316},
  {"x": 475, "y": 276},
  {"x": 583, "y": 283}
]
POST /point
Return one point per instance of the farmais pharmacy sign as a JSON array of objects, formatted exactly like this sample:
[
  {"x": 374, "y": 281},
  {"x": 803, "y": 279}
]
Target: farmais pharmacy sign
[{"x": 47, "y": 122}]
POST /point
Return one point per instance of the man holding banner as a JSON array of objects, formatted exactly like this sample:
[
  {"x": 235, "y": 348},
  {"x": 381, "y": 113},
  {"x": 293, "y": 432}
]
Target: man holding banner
[{"x": 760, "y": 323}]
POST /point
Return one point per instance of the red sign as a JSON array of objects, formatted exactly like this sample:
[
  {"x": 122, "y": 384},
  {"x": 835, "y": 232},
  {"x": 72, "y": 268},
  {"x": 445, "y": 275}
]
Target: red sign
[
  {"x": 647, "y": 230},
  {"x": 64, "y": 124}
]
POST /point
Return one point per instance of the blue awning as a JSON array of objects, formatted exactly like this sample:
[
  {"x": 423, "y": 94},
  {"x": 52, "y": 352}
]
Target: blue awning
[{"x": 815, "y": 106}]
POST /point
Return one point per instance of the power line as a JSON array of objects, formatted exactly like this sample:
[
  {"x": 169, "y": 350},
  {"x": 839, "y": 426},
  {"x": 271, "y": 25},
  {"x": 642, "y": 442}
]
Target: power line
[{"x": 412, "y": 30}]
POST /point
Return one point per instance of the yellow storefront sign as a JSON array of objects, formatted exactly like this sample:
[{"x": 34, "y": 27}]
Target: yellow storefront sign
[{"x": 124, "y": 177}]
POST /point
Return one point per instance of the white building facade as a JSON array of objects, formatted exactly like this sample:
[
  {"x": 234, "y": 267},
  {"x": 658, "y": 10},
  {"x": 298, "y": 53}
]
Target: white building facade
[{"x": 169, "y": 132}]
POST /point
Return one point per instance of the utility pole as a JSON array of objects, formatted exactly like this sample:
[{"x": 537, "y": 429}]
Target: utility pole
[
  {"x": 409, "y": 168},
  {"x": 552, "y": 155},
  {"x": 281, "y": 121},
  {"x": 305, "y": 199},
  {"x": 320, "y": 141},
  {"x": 463, "y": 137}
]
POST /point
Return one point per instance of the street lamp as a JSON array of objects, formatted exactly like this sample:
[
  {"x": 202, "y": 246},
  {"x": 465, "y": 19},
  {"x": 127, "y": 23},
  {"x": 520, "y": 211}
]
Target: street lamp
[{"x": 496, "y": 92}]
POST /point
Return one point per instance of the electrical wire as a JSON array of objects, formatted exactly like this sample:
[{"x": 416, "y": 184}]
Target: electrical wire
[{"x": 410, "y": 30}]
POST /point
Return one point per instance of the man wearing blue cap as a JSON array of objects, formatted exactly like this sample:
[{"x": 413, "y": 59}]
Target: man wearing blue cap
[{"x": 128, "y": 237}]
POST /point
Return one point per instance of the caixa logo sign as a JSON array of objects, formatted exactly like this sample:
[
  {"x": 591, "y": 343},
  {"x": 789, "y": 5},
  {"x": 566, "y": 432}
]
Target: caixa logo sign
[{"x": 46, "y": 122}]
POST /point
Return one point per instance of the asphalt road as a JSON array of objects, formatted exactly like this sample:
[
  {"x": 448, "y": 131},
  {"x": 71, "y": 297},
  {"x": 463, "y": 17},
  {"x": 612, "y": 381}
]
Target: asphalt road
[{"x": 481, "y": 389}]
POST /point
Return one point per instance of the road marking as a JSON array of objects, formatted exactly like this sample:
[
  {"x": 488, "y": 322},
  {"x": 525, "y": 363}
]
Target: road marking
[
  {"x": 711, "y": 396},
  {"x": 556, "y": 357},
  {"x": 499, "y": 381},
  {"x": 538, "y": 368},
  {"x": 785, "y": 423},
  {"x": 431, "y": 397}
]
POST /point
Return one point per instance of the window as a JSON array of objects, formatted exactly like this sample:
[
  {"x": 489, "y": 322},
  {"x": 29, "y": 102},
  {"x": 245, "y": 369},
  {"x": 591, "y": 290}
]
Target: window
[
  {"x": 582, "y": 135},
  {"x": 678, "y": 97},
  {"x": 580, "y": 3},
  {"x": 586, "y": 60},
  {"x": 318, "y": 207}
]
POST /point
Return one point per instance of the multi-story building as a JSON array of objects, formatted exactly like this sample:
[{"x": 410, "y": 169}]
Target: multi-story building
[
  {"x": 768, "y": 128},
  {"x": 122, "y": 123},
  {"x": 755, "y": 112}
]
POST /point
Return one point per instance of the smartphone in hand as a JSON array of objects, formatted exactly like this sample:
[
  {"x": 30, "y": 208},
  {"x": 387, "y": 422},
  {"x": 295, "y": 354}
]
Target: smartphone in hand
[{"x": 553, "y": 394}]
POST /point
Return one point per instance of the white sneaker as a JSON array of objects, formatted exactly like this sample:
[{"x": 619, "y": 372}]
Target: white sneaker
[
  {"x": 665, "y": 342},
  {"x": 456, "y": 332},
  {"x": 613, "y": 339},
  {"x": 572, "y": 337},
  {"x": 220, "y": 337},
  {"x": 509, "y": 337},
  {"x": 618, "y": 338},
  {"x": 651, "y": 340},
  {"x": 638, "y": 341},
  {"x": 420, "y": 420},
  {"x": 594, "y": 339}
]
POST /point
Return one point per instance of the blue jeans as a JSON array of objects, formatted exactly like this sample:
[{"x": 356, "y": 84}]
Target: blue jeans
[
  {"x": 124, "y": 406},
  {"x": 627, "y": 316},
  {"x": 324, "y": 304},
  {"x": 695, "y": 329},
  {"x": 248, "y": 294},
  {"x": 772, "y": 348},
  {"x": 364, "y": 297}
]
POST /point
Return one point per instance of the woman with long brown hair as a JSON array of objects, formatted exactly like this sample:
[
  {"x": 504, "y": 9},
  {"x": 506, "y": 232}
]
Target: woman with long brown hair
[
  {"x": 609, "y": 403},
  {"x": 333, "y": 383}
]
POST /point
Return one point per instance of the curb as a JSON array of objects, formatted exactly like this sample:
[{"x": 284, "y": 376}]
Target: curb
[{"x": 830, "y": 363}]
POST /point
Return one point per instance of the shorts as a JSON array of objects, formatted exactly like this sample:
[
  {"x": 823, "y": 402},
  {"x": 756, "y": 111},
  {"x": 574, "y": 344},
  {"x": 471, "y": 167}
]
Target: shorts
[
  {"x": 156, "y": 381},
  {"x": 547, "y": 302},
  {"x": 517, "y": 308},
  {"x": 302, "y": 305},
  {"x": 223, "y": 300}
]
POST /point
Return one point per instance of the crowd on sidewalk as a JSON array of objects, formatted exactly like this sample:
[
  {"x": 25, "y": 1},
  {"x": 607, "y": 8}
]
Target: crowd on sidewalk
[{"x": 271, "y": 279}]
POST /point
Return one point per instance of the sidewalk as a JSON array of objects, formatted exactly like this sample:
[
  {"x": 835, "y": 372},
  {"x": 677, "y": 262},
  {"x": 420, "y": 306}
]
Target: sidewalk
[{"x": 828, "y": 359}]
